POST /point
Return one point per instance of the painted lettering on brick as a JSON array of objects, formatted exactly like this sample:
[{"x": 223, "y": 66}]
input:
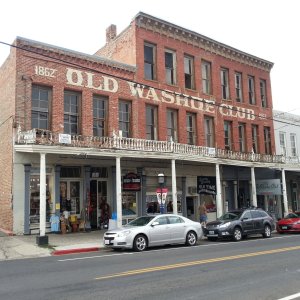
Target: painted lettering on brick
[{"x": 44, "y": 71}]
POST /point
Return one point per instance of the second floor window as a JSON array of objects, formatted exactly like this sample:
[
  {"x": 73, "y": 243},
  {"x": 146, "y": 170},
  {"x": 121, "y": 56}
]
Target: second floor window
[
  {"x": 191, "y": 128},
  {"x": 206, "y": 77},
  {"x": 254, "y": 133},
  {"x": 242, "y": 137},
  {"x": 189, "y": 72},
  {"x": 172, "y": 125},
  {"x": 263, "y": 93},
  {"x": 282, "y": 143},
  {"x": 151, "y": 122},
  {"x": 209, "y": 132},
  {"x": 251, "y": 90},
  {"x": 124, "y": 118},
  {"x": 238, "y": 87},
  {"x": 170, "y": 66},
  {"x": 228, "y": 135},
  {"x": 71, "y": 112},
  {"x": 40, "y": 101},
  {"x": 149, "y": 61},
  {"x": 224, "y": 84},
  {"x": 99, "y": 116},
  {"x": 267, "y": 140},
  {"x": 293, "y": 144}
]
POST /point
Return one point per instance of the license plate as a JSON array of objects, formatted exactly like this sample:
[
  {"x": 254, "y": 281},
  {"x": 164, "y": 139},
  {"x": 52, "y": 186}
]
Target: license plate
[
  {"x": 106, "y": 242},
  {"x": 211, "y": 232},
  {"x": 284, "y": 227}
]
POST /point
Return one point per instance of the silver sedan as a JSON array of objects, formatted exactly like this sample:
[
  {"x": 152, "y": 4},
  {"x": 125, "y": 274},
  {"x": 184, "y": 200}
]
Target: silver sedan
[{"x": 154, "y": 230}]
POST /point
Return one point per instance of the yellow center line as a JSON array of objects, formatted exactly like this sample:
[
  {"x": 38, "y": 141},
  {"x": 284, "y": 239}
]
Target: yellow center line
[{"x": 197, "y": 262}]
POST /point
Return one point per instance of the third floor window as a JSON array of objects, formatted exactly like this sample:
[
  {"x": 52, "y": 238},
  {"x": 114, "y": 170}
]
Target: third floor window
[
  {"x": 263, "y": 93},
  {"x": 238, "y": 87},
  {"x": 189, "y": 72},
  {"x": 224, "y": 84},
  {"x": 206, "y": 77},
  {"x": 251, "y": 90},
  {"x": 170, "y": 66},
  {"x": 150, "y": 61}
]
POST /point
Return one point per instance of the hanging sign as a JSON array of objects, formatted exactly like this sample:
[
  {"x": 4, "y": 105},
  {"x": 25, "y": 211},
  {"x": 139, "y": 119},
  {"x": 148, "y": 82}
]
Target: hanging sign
[
  {"x": 131, "y": 182},
  {"x": 206, "y": 185},
  {"x": 161, "y": 194}
]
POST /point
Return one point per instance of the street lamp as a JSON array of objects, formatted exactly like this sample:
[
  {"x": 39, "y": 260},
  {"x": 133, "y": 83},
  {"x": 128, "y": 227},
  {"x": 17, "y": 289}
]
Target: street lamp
[{"x": 161, "y": 181}]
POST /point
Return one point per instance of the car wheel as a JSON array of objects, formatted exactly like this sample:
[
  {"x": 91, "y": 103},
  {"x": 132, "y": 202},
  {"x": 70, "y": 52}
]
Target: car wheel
[
  {"x": 140, "y": 243},
  {"x": 212, "y": 238},
  {"x": 267, "y": 232},
  {"x": 237, "y": 234},
  {"x": 191, "y": 238}
]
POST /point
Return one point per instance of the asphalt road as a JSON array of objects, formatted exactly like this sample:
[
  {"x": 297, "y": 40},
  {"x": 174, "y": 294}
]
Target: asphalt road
[{"x": 256, "y": 268}]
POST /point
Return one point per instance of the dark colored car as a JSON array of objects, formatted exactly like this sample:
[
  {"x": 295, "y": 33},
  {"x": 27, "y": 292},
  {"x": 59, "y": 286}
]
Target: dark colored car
[
  {"x": 237, "y": 224},
  {"x": 290, "y": 223}
]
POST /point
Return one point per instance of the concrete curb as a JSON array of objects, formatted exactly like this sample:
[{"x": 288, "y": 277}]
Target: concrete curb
[
  {"x": 7, "y": 232},
  {"x": 75, "y": 250}
]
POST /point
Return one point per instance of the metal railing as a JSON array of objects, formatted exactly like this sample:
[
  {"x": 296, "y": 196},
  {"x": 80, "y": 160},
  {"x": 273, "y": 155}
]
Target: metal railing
[{"x": 49, "y": 138}]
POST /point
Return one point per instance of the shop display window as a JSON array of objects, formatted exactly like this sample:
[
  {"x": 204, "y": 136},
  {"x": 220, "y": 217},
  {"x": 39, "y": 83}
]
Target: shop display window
[
  {"x": 129, "y": 203},
  {"x": 35, "y": 199}
]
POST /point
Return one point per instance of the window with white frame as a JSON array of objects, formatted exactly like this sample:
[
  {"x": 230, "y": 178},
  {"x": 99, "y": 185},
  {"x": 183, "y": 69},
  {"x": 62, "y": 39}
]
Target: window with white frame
[
  {"x": 125, "y": 118},
  {"x": 225, "y": 83},
  {"x": 40, "y": 102},
  {"x": 282, "y": 143},
  {"x": 191, "y": 128},
  {"x": 254, "y": 133},
  {"x": 206, "y": 76},
  {"x": 172, "y": 125},
  {"x": 170, "y": 67},
  {"x": 293, "y": 144},
  {"x": 242, "y": 136},
  {"x": 99, "y": 115},
  {"x": 267, "y": 140},
  {"x": 263, "y": 93},
  {"x": 209, "y": 132},
  {"x": 189, "y": 72},
  {"x": 71, "y": 112},
  {"x": 151, "y": 122},
  {"x": 238, "y": 87},
  {"x": 228, "y": 135},
  {"x": 251, "y": 90},
  {"x": 150, "y": 61}
]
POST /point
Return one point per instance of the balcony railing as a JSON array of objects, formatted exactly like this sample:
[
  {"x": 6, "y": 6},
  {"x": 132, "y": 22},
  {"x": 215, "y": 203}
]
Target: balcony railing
[{"x": 45, "y": 137}]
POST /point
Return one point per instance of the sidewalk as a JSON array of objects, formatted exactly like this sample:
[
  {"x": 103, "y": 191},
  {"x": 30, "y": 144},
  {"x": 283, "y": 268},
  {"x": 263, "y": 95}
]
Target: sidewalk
[{"x": 24, "y": 246}]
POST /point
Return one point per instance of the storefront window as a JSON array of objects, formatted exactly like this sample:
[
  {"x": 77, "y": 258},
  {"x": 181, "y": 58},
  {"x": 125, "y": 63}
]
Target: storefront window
[
  {"x": 70, "y": 196},
  {"x": 35, "y": 199},
  {"x": 129, "y": 204}
]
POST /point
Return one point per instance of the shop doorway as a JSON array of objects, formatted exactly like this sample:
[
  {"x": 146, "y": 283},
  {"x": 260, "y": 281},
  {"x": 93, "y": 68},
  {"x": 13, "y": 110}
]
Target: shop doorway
[
  {"x": 191, "y": 207},
  {"x": 70, "y": 191},
  {"x": 99, "y": 209}
]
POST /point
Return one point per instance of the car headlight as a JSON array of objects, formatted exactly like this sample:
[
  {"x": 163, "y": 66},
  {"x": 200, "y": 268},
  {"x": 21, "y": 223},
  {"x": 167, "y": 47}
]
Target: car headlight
[
  {"x": 123, "y": 233},
  {"x": 225, "y": 225}
]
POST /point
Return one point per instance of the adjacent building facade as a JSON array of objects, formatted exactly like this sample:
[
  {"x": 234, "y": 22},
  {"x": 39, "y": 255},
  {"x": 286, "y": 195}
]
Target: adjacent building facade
[{"x": 156, "y": 102}]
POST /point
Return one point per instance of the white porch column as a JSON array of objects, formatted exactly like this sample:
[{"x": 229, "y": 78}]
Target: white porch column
[
  {"x": 235, "y": 194},
  {"x": 254, "y": 198},
  {"x": 42, "y": 194},
  {"x": 285, "y": 201},
  {"x": 219, "y": 193},
  {"x": 174, "y": 187},
  {"x": 118, "y": 192}
]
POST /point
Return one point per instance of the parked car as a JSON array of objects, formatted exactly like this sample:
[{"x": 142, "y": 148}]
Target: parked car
[
  {"x": 290, "y": 223},
  {"x": 237, "y": 224},
  {"x": 154, "y": 230}
]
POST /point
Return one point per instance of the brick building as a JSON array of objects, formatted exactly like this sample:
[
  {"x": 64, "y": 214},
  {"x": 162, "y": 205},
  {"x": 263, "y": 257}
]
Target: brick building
[{"x": 80, "y": 130}]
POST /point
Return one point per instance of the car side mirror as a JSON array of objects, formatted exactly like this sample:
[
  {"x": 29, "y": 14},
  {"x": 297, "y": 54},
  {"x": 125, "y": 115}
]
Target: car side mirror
[
  {"x": 155, "y": 223},
  {"x": 244, "y": 219}
]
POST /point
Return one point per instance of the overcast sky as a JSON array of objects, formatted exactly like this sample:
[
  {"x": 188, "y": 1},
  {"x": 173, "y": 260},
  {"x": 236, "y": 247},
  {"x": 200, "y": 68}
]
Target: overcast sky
[{"x": 268, "y": 29}]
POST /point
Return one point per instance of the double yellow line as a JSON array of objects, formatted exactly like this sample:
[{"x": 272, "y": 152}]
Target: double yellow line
[{"x": 197, "y": 262}]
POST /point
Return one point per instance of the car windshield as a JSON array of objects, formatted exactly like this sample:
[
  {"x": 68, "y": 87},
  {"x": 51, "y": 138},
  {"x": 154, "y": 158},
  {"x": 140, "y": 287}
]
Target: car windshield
[
  {"x": 230, "y": 216},
  {"x": 141, "y": 221},
  {"x": 293, "y": 215}
]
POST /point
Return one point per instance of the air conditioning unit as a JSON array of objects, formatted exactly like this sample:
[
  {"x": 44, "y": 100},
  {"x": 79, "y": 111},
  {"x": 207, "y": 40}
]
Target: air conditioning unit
[{"x": 192, "y": 189}]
